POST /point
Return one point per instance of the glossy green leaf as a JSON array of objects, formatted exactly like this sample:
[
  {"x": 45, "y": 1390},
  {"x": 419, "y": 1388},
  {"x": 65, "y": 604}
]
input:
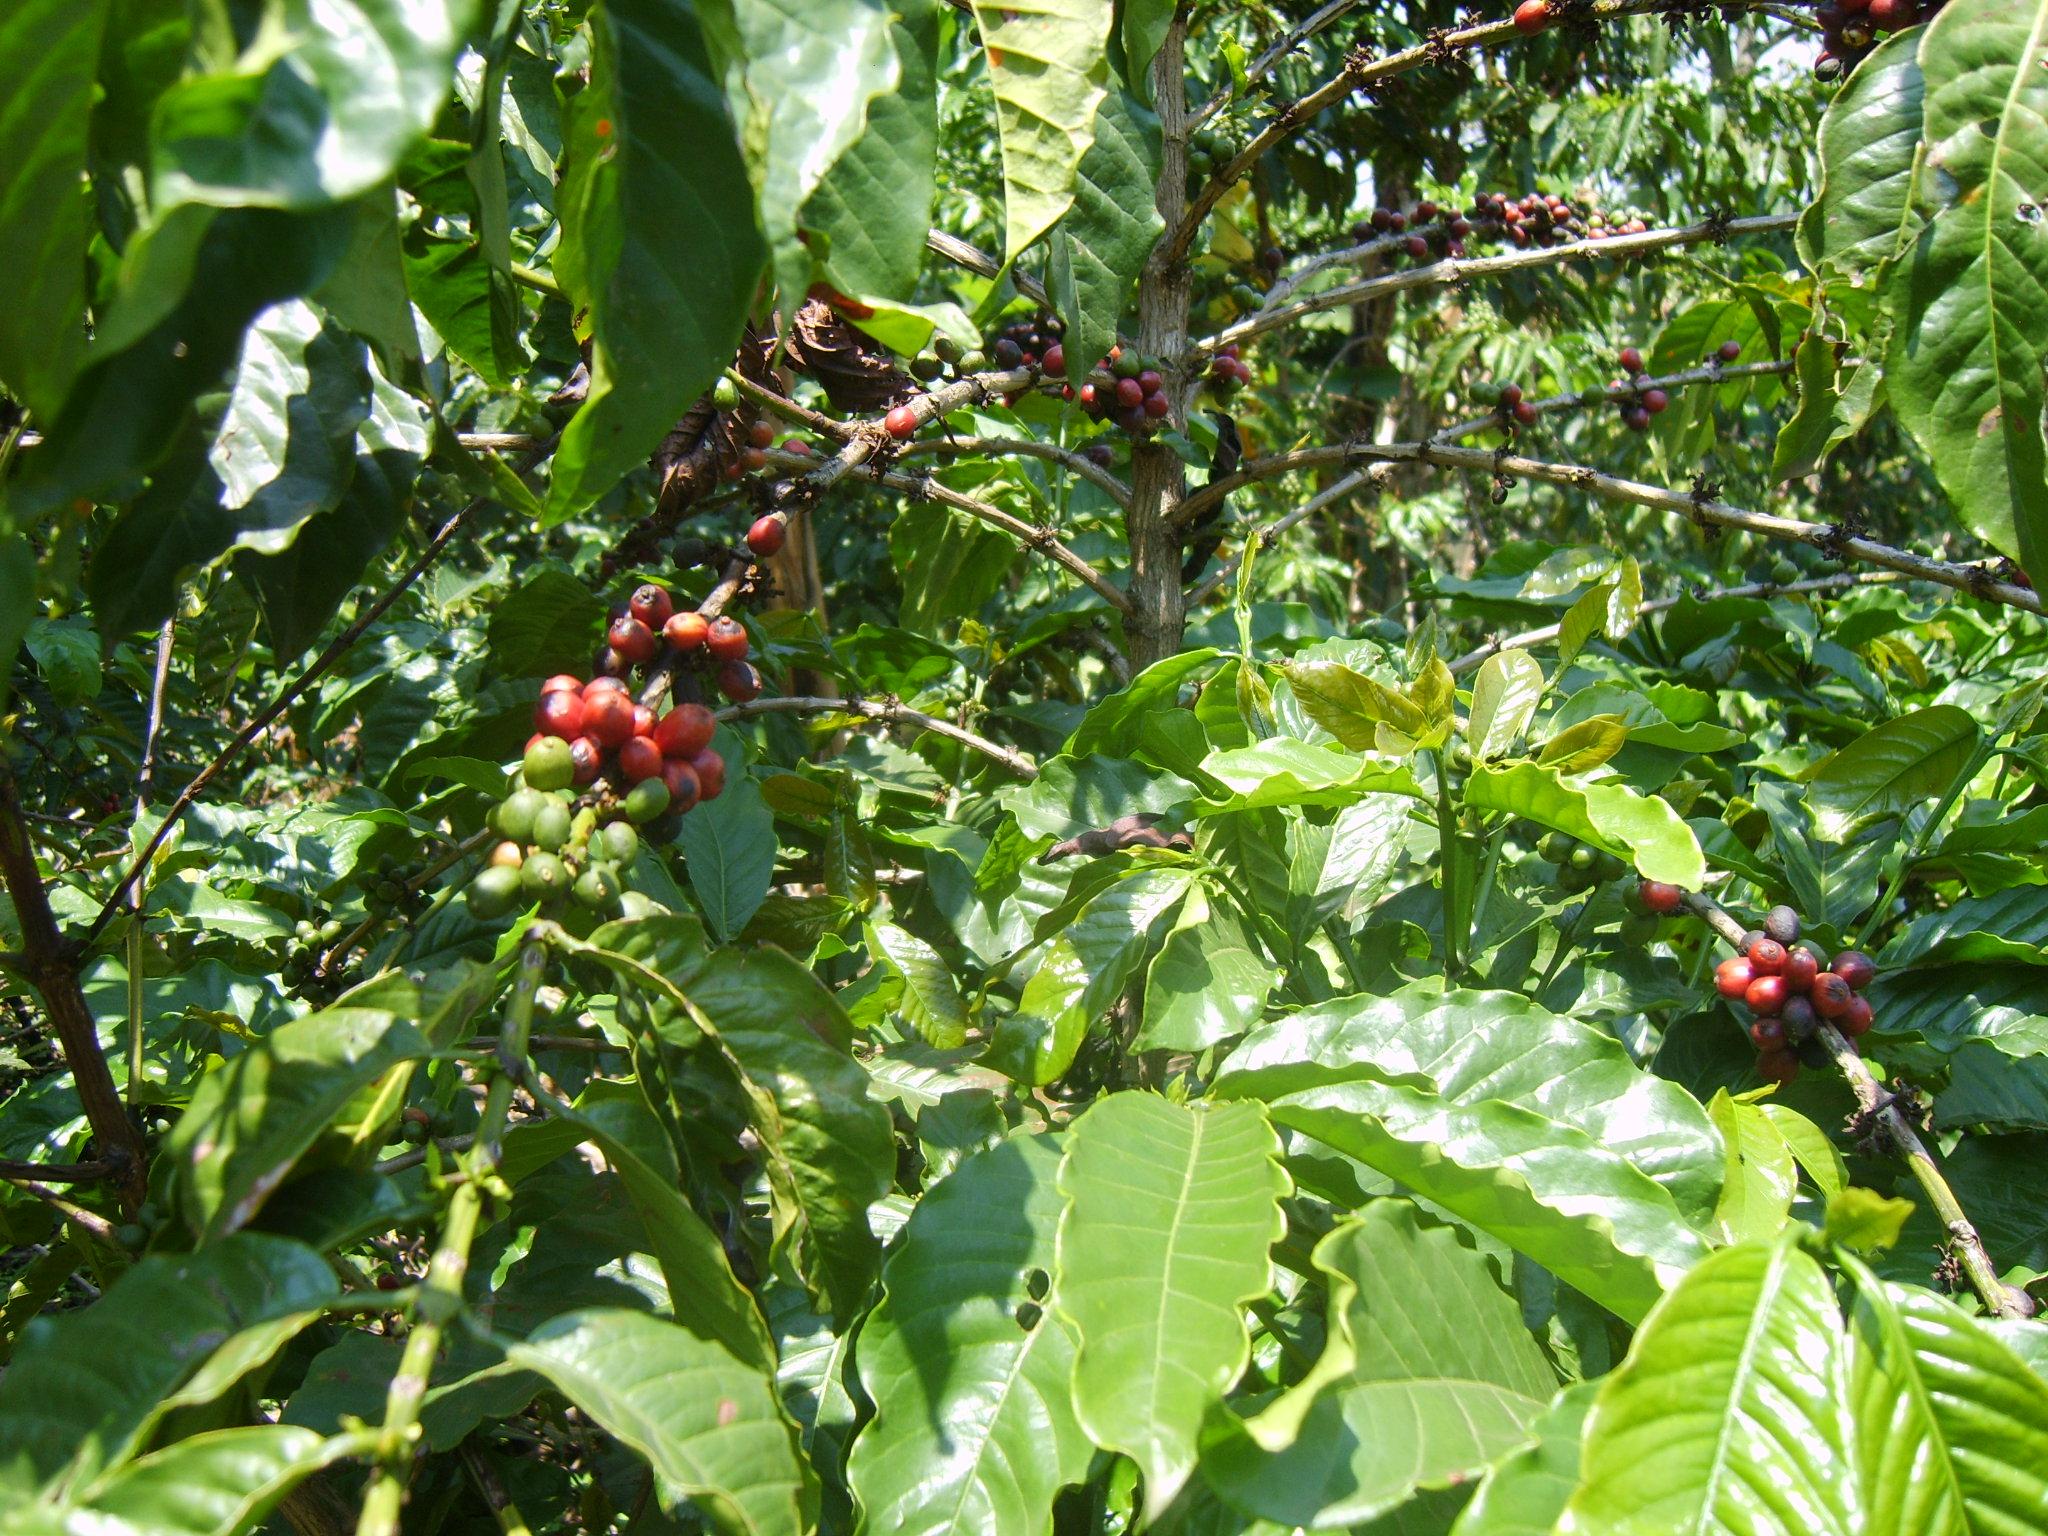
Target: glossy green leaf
[
  {"x": 1869, "y": 136},
  {"x": 1891, "y": 768},
  {"x": 729, "y": 849},
  {"x": 1428, "y": 1376},
  {"x": 1760, "y": 1178},
  {"x": 711, "y": 1428},
  {"x": 84, "y": 1387},
  {"x": 221, "y": 1483},
  {"x": 254, "y": 1116},
  {"x": 1728, "y": 1413},
  {"x": 1504, "y": 697},
  {"x": 967, "y": 1360},
  {"x": 1524, "y": 1495},
  {"x": 48, "y": 50},
  {"x": 930, "y": 1000},
  {"x": 1970, "y": 301},
  {"x": 1170, "y": 1212},
  {"x": 1863, "y": 1220},
  {"x": 1098, "y": 249},
  {"x": 1046, "y": 61},
  {"x": 1640, "y": 828},
  {"x": 1209, "y": 981},
  {"x": 1533, "y": 1127},
  {"x": 1584, "y": 746},
  {"x": 659, "y": 240},
  {"x": 1351, "y": 706},
  {"x": 1284, "y": 771},
  {"x": 1075, "y": 794}
]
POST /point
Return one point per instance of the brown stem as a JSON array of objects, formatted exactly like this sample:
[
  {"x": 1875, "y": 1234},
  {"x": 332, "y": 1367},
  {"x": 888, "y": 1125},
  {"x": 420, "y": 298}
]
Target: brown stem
[
  {"x": 1897, "y": 1132},
  {"x": 890, "y": 712},
  {"x": 51, "y": 964},
  {"x": 89, "y": 1222}
]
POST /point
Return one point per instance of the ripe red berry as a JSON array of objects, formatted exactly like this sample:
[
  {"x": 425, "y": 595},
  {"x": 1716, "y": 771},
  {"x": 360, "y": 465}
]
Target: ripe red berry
[
  {"x": 795, "y": 445},
  {"x": 1831, "y": 995},
  {"x": 651, "y": 605},
  {"x": 1767, "y": 994},
  {"x": 1055, "y": 359},
  {"x": 1156, "y": 406},
  {"x": 1130, "y": 394},
  {"x": 1417, "y": 247},
  {"x": 1801, "y": 966},
  {"x": 710, "y": 771},
  {"x": 1854, "y": 967},
  {"x": 753, "y": 460},
  {"x": 685, "y": 631},
  {"x": 586, "y": 757},
  {"x": 739, "y": 682},
  {"x": 599, "y": 685},
  {"x": 1768, "y": 956},
  {"x": 1768, "y": 1033},
  {"x": 1631, "y": 360},
  {"x": 1151, "y": 381},
  {"x": 765, "y": 537},
  {"x": 1732, "y": 978},
  {"x": 639, "y": 759},
  {"x": 1777, "y": 1066},
  {"x": 1526, "y": 413},
  {"x": 726, "y": 639},
  {"x": 683, "y": 788},
  {"x": 559, "y": 714},
  {"x": 562, "y": 682},
  {"x": 1856, "y": 1018},
  {"x": 1660, "y": 897},
  {"x": 1511, "y": 395},
  {"x": 900, "y": 422},
  {"x": 1655, "y": 400},
  {"x": 608, "y": 718},
  {"x": 1636, "y": 419},
  {"x": 643, "y": 720},
  {"x": 1893, "y": 15},
  {"x": 685, "y": 730},
  {"x": 1730, "y": 350},
  {"x": 632, "y": 640}
]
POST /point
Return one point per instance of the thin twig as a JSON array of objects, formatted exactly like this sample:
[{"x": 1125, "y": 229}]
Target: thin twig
[
  {"x": 86, "y": 1221},
  {"x": 144, "y": 777},
  {"x": 962, "y": 253},
  {"x": 890, "y": 712},
  {"x": 346, "y": 944},
  {"x": 1895, "y": 1132},
  {"x": 1027, "y": 447},
  {"x": 60, "y": 1173},
  {"x": 1266, "y": 62},
  {"x": 1259, "y": 537}
]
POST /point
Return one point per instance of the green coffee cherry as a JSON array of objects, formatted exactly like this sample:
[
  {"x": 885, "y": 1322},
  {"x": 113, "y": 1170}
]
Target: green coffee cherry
[
  {"x": 516, "y": 814},
  {"x": 597, "y": 888},
  {"x": 616, "y": 841},
  {"x": 548, "y": 764},
  {"x": 551, "y": 826},
  {"x": 637, "y": 904},
  {"x": 543, "y": 876},
  {"x": 725, "y": 394},
  {"x": 646, "y": 800},
  {"x": 494, "y": 893}
]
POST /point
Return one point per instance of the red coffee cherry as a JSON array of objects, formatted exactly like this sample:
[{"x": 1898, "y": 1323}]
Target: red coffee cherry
[
  {"x": 685, "y": 730},
  {"x": 632, "y": 639},
  {"x": 761, "y": 434},
  {"x": 1730, "y": 350},
  {"x": 765, "y": 537},
  {"x": 1631, "y": 360},
  {"x": 1801, "y": 966},
  {"x": 1831, "y": 995},
  {"x": 900, "y": 423},
  {"x": 586, "y": 759},
  {"x": 1055, "y": 359},
  {"x": 1777, "y": 1066},
  {"x": 562, "y": 682},
  {"x": 1854, "y": 967},
  {"x": 739, "y": 682},
  {"x": 710, "y": 770},
  {"x": 1660, "y": 897},
  {"x": 1768, "y": 956},
  {"x": 681, "y": 779},
  {"x": 651, "y": 605},
  {"x": 1532, "y": 16},
  {"x": 1526, "y": 413},
  {"x": 1655, "y": 400},
  {"x": 608, "y": 718},
  {"x": 1856, "y": 1018},
  {"x": 686, "y": 631},
  {"x": 643, "y": 720},
  {"x": 1799, "y": 1019},
  {"x": 1768, "y": 1033},
  {"x": 599, "y": 685},
  {"x": 640, "y": 759},
  {"x": 726, "y": 639},
  {"x": 559, "y": 714},
  {"x": 1732, "y": 978},
  {"x": 1767, "y": 994}
]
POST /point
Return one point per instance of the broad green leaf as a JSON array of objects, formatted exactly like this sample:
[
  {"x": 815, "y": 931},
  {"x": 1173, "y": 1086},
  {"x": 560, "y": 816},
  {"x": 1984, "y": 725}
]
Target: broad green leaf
[
  {"x": 1537, "y": 1129},
  {"x": 1170, "y": 1212},
  {"x": 221, "y": 1483},
  {"x": 950, "y": 564},
  {"x": 1524, "y": 1495},
  {"x": 2010, "y": 927},
  {"x": 1075, "y": 794},
  {"x": 1144, "y": 29},
  {"x": 1728, "y": 1414},
  {"x": 84, "y": 1386},
  {"x": 1428, "y": 1376},
  {"x": 873, "y": 209},
  {"x": 1504, "y": 699},
  {"x": 255, "y": 1115},
  {"x": 1810, "y": 1148},
  {"x": 550, "y": 622},
  {"x": 314, "y": 112},
  {"x": 1284, "y": 771},
  {"x": 1046, "y": 61},
  {"x": 659, "y": 240},
  {"x": 930, "y": 999},
  {"x": 728, "y": 847},
  {"x": 1869, "y": 136},
  {"x": 1098, "y": 249},
  {"x": 1761, "y": 1178},
  {"x": 1350, "y": 705},
  {"x": 460, "y": 293},
  {"x": 1890, "y": 769},
  {"x": 1864, "y": 1221},
  {"x": 1585, "y": 618},
  {"x": 1970, "y": 301},
  {"x": 1640, "y": 828},
  {"x": 1585, "y": 746},
  {"x": 1803, "y": 440},
  {"x": 48, "y": 51},
  {"x": 968, "y": 1361},
  {"x": 1209, "y": 981},
  {"x": 711, "y": 1428}
]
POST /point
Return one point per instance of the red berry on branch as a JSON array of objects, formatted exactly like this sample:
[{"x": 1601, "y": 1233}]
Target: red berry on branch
[
  {"x": 1511, "y": 395},
  {"x": 739, "y": 682},
  {"x": 1856, "y": 1018},
  {"x": 586, "y": 758},
  {"x": 685, "y": 631},
  {"x": 685, "y": 730},
  {"x": 608, "y": 718},
  {"x": 639, "y": 759},
  {"x": 1655, "y": 400},
  {"x": 1854, "y": 967},
  {"x": 1130, "y": 394},
  {"x": 1660, "y": 897},
  {"x": 559, "y": 714},
  {"x": 632, "y": 640},
  {"x": 1151, "y": 381},
  {"x": 1055, "y": 361},
  {"x": 710, "y": 770},
  {"x": 643, "y": 720},
  {"x": 1732, "y": 978},
  {"x": 599, "y": 685},
  {"x": 651, "y": 605},
  {"x": 795, "y": 445},
  {"x": 1768, "y": 1033},
  {"x": 562, "y": 682},
  {"x": 1631, "y": 360},
  {"x": 1730, "y": 350},
  {"x": 1156, "y": 406},
  {"x": 1417, "y": 247},
  {"x": 1801, "y": 966},
  {"x": 1526, "y": 413},
  {"x": 726, "y": 639},
  {"x": 683, "y": 788},
  {"x": 1831, "y": 995},
  {"x": 761, "y": 434},
  {"x": 1767, "y": 994},
  {"x": 753, "y": 460},
  {"x": 765, "y": 537},
  {"x": 1768, "y": 956},
  {"x": 900, "y": 422},
  {"x": 1636, "y": 419}
]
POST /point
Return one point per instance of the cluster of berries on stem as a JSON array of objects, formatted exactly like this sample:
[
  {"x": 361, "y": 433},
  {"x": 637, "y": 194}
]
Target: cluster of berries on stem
[
  {"x": 1849, "y": 29},
  {"x": 651, "y": 621},
  {"x": 1788, "y": 988}
]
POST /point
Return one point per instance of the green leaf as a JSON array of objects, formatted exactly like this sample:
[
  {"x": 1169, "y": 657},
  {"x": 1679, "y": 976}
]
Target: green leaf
[
  {"x": 1728, "y": 1413},
  {"x": 1351, "y": 706},
  {"x": 1170, "y": 1212},
  {"x": 255, "y": 1115},
  {"x": 1804, "y": 440},
  {"x": 659, "y": 240},
  {"x": 1046, "y": 61},
  {"x": 220, "y": 1483},
  {"x": 1427, "y": 1378},
  {"x": 1640, "y": 828},
  {"x": 67, "y": 654},
  {"x": 1869, "y": 137},
  {"x": 48, "y": 51},
  {"x": 1761, "y": 1178},
  {"x": 1864, "y": 1221},
  {"x": 17, "y": 600},
  {"x": 968, "y": 1362},
  {"x": 951, "y": 565},
  {"x": 1098, "y": 249},
  {"x": 1583, "y": 620},
  {"x": 549, "y": 623},
  {"x": 1284, "y": 771},
  {"x": 314, "y": 122},
  {"x": 1469, "y": 1098},
  {"x": 874, "y": 205},
  {"x": 1970, "y": 302},
  {"x": 711, "y": 1428},
  {"x": 84, "y": 1387},
  {"x": 1585, "y": 746},
  {"x": 1144, "y": 29},
  {"x": 1890, "y": 769},
  {"x": 930, "y": 1000},
  {"x": 1074, "y": 794},
  {"x": 1504, "y": 699},
  {"x": 1209, "y": 981},
  {"x": 1524, "y": 1495},
  {"x": 464, "y": 299},
  {"x": 729, "y": 850}
]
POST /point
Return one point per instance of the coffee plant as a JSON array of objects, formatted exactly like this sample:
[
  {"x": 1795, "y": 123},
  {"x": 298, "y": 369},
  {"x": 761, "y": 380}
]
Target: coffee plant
[{"x": 1020, "y": 768}]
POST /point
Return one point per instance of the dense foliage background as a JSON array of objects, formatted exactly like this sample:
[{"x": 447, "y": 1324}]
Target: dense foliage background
[{"x": 1199, "y": 1006}]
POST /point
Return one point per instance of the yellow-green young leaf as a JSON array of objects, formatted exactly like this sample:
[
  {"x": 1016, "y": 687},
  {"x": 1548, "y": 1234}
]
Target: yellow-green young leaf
[
  {"x": 1436, "y": 694},
  {"x": 1615, "y": 819},
  {"x": 1810, "y": 1146},
  {"x": 1761, "y": 1178},
  {"x": 1582, "y": 621},
  {"x": 1525, "y": 1494},
  {"x": 1284, "y": 771},
  {"x": 1865, "y": 1221},
  {"x": 1583, "y": 747},
  {"x": 1729, "y": 1412},
  {"x": 711, "y": 1428},
  {"x": 1625, "y": 598},
  {"x": 1504, "y": 699},
  {"x": 1170, "y": 1213},
  {"x": 1348, "y": 704},
  {"x": 1208, "y": 982},
  {"x": 1047, "y": 60},
  {"x": 1427, "y": 1377},
  {"x": 1890, "y": 769}
]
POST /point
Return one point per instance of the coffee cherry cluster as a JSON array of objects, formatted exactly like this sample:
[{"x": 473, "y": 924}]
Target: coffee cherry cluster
[
  {"x": 1580, "y": 866},
  {"x": 1541, "y": 219},
  {"x": 1788, "y": 989},
  {"x": 1128, "y": 390},
  {"x": 1636, "y": 412},
  {"x": 1209, "y": 150},
  {"x": 651, "y": 621},
  {"x": 1851, "y": 28},
  {"x": 1227, "y": 371},
  {"x": 554, "y": 850}
]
